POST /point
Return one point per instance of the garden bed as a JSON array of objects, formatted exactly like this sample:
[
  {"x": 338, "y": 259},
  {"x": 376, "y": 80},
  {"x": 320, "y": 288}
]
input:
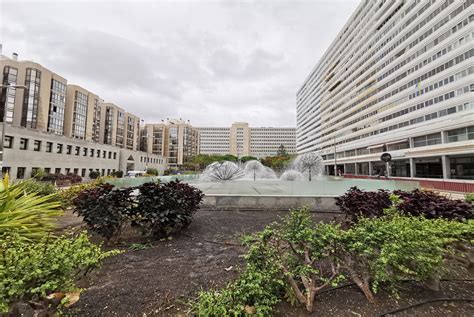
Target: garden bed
[{"x": 160, "y": 279}]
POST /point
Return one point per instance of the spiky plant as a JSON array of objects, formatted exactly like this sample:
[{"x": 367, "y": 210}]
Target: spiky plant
[{"x": 26, "y": 214}]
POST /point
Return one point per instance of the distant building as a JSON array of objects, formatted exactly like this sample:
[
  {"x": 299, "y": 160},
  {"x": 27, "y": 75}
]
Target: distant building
[
  {"x": 398, "y": 77},
  {"x": 65, "y": 128},
  {"x": 174, "y": 139},
  {"x": 242, "y": 140}
]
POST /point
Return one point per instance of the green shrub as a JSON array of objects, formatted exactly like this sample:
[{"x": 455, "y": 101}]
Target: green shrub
[
  {"x": 39, "y": 188},
  {"x": 105, "y": 209},
  {"x": 118, "y": 174},
  {"x": 296, "y": 256},
  {"x": 47, "y": 266},
  {"x": 39, "y": 174},
  {"x": 67, "y": 196},
  {"x": 469, "y": 198},
  {"x": 94, "y": 174},
  {"x": 163, "y": 209},
  {"x": 152, "y": 171},
  {"x": 27, "y": 214},
  {"x": 393, "y": 248},
  {"x": 256, "y": 291}
]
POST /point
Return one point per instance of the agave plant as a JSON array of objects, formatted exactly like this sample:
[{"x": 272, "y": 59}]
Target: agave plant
[{"x": 26, "y": 214}]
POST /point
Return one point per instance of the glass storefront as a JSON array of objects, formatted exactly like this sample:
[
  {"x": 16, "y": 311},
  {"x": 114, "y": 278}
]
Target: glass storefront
[{"x": 462, "y": 167}]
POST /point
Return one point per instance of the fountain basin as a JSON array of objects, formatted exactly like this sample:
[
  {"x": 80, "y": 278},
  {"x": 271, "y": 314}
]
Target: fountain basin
[{"x": 318, "y": 195}]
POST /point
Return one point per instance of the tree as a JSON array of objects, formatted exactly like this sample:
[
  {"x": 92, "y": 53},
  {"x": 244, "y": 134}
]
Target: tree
[
  {"x": 247, "y": 158},
  {"x": 282, "y": 151}
]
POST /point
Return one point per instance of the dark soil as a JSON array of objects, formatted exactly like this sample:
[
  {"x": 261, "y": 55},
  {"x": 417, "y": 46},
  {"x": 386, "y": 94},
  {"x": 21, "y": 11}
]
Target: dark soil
[{"x": 161, "y": 279}]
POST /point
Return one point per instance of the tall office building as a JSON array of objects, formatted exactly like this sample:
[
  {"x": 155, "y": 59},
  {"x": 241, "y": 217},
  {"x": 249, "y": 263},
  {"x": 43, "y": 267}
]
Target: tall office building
[
  {"x": 175, "y": 139},
  {"x": 242, "y": 140},
  {"x": 398, "y": 77}
]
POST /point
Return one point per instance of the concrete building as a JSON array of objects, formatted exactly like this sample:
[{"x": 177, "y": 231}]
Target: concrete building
[
  {"x": 81, "y": 105},
  {"x": 65, "y": 128},
  {"x": 27, "y": 150},
  {"x": 42, "y": 105},
  {"x": 174, "y": 139},
  {"x": 242, "y": 140},
  {"x": 398, "y": 77}
]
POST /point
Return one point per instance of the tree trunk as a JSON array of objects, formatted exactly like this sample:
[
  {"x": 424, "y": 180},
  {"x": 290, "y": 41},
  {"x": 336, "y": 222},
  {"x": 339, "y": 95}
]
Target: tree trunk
[
  {"x": 364, "y": 286},
  {"x": 310, "y": 300}
]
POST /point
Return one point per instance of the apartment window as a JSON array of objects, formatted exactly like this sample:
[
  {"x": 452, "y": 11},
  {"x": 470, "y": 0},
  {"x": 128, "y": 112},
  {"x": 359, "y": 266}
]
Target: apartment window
[
  {"x": 47, "y": 170},
  {"x": 20, "y": 172},
  {"x": 78, "y": 150},
  {"x": 461, "y": 134},
  {"x": 67, "y": 170},
  {"x": 37, "y": 146},
  {"x": 31, "y": 98},
  {"x": 59, "y": 148},
  {"x": 23, "y": 144},
  {"x": 57, "y": 104},
  {"x": 49, "y": 147},
  {"x": 34, "y": 171},
  {"x": 115, "y": 155},
  {"x": 83, "y": 172},
  {"x": 57, "y": 170},
  {"x": 68, "y": 149},
  {"x": 110, "y": 155},
  {"x": 80, "y": 115},
  {"x": 84, "y": 151},
  {"x": 76, "y": 171},
  {"x": 425, "y": 140},
  {"x": 7, "y": 102},
  {"x": 92, "y": 152},
  {"x": 98, "y": 153},
  {"x": 8, "y": 142},
  {"x": 399, "y": 146}
]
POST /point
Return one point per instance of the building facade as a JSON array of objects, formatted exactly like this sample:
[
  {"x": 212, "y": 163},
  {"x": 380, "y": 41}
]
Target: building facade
[
  {"x": 397, "y": 78},
  {"x": 242, "y": 140},
  {"x": 174, "y": 139},
  {"x": 28, "y": 150},
  {"x": 65, "y": 128}
]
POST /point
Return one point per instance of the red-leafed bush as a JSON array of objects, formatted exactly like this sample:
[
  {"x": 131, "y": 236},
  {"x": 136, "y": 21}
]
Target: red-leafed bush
[{"x": 165, "y": 208}]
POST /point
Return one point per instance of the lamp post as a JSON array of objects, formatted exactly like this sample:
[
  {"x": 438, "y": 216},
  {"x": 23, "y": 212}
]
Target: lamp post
[{"x": 4, "y": 123}]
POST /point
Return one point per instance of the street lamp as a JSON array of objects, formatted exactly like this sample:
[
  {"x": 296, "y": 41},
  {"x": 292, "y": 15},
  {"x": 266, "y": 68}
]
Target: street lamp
[{"x": 4, "y": 123}]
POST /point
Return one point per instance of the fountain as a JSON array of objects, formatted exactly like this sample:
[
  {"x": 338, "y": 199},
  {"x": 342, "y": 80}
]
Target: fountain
[
  {"x": 225, "y": 171},
  {"x": 309, "y": 163},
  {"x": 291, "y": 175},
  {"x": 256, "y": 170},
  {"x": 227, "y": 185}
]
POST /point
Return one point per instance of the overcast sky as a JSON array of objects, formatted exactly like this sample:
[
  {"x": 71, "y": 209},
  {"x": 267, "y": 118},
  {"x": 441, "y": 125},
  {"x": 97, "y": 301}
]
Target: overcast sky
[{"x": 212, "y": 62}]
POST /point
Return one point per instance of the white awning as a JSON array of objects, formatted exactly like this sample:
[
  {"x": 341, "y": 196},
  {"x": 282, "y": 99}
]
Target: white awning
[{"x": 375, "y": 146}]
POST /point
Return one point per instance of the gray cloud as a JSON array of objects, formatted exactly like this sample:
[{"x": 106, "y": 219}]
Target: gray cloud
[{"x": 213, "y": 62}]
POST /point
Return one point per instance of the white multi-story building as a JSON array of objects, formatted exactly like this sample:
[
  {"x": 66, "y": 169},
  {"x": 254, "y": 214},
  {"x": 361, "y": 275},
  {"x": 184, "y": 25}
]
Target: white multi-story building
[
  {"x": 242, "y": 140},
  {"x": 398, "y": 77}
]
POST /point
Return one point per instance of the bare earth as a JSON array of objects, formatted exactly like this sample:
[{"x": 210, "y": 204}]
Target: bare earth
[{"x": 161, "y": 279}]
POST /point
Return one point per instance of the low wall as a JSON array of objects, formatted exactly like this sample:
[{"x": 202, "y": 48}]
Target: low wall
[
  {"x": 452, "y": 185},
  {"x": 258, "y": 202}
]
